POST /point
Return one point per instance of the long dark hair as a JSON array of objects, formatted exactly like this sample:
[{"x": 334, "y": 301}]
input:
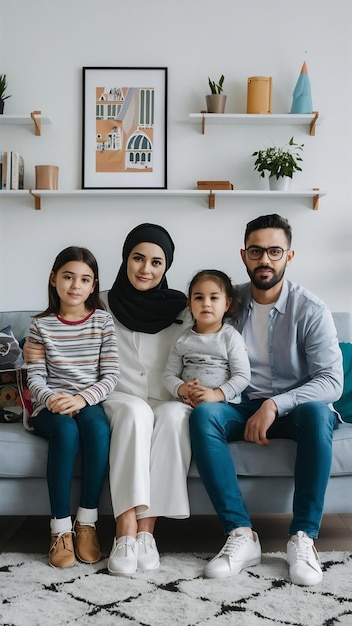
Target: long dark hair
[
  {"x": 225, "y": 284},
  {"x": 74, "y": 253}
]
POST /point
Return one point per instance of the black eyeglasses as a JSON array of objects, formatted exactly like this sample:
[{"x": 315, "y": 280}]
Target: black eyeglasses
[{"x": 275, "y": 253}]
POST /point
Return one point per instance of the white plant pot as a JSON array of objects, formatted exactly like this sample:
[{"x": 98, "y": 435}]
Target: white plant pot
[{"x": 280, "y": 184}]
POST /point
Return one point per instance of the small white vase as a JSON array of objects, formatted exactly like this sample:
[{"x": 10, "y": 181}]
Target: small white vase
[{"x": 280, "y": 184}]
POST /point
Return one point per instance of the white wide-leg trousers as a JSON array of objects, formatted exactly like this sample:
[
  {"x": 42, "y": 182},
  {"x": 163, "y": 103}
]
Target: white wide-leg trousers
[{"x": 150, "y": 454}]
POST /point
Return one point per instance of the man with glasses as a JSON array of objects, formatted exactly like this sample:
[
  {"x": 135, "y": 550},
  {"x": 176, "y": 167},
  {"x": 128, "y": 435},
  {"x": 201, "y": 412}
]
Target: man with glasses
[{"x": 296, "y": 368}]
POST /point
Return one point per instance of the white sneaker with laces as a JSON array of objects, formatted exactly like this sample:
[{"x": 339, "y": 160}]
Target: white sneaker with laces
[
  {"x": 123, "y": 556},
  {"x": 147, "y": 552},
  {"x": 239, "y": 552},
  {"x": 303, "y": 560}
]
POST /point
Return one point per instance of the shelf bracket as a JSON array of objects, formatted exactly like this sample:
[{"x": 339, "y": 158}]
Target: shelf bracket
[
  {"x": 203, "y": 122},
  {"x": 37, "y": 123},
  {"x": 313, "y": 123},
  {"x": 37, "y": 200},
  {"x": 316, "y": 199},
  {"x": 211, "y": 200}
]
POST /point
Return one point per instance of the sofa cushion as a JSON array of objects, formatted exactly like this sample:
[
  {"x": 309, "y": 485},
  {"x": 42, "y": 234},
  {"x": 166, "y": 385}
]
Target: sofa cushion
[
  {"x": 278, "y": 458},
  {"x": 23, "y": 454},
  {"x": 344, "y": 405}
]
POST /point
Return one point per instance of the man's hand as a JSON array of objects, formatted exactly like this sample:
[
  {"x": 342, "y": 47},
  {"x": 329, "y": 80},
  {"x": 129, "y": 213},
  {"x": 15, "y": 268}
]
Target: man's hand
[
  {"x": 65, "y": 403},
  {"x": 257, "y": 426}
]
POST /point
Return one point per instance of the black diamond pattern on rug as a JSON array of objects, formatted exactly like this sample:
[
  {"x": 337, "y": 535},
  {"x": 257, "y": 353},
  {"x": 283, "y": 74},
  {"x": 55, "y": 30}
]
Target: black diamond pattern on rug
[{"x": 32, "y": 594}]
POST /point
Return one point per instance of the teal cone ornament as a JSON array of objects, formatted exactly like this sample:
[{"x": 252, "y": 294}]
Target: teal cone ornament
[{"x": 302, "y": 98}]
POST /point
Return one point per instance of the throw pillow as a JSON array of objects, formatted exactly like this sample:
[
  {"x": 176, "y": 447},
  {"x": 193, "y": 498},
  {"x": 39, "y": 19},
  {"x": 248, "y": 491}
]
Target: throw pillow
[
  {"x": 11, "y": 360},
  {"x": 344, "y": 405},
  {"x": 10, "y": 351}
]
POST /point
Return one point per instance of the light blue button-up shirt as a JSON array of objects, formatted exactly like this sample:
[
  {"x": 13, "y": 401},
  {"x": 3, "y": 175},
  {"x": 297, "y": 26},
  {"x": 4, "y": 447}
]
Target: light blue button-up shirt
[{"x": 304, "y": 354}]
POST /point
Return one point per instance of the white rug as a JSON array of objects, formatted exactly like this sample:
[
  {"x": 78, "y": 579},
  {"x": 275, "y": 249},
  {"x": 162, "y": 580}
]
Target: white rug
[{"x": 34, "y": 594}]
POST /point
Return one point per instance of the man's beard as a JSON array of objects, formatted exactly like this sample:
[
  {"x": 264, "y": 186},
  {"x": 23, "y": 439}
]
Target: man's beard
[{"x": 266, "y": 283}]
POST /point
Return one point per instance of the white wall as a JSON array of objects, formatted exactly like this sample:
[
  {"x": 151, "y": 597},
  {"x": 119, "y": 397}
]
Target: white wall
[{"x": 44, "y": 45}]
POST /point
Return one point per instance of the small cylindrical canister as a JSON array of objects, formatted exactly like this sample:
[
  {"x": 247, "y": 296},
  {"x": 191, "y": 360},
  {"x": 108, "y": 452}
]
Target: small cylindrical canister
[
  {"x": 46, "y": 176},
  {"x": 259, "y": 94}
]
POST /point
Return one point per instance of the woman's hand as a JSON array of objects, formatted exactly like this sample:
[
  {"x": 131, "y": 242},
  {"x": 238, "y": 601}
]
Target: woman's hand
[
  {"x": 32, "y": 351},
  {"x": 65, "y": 403}
]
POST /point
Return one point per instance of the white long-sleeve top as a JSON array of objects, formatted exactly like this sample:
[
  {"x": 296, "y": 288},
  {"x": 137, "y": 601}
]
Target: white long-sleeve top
[
  {"x": 81, "y": 358},
  {"x": 142, "y": 357},
  {"x": 219, "y": 360}
]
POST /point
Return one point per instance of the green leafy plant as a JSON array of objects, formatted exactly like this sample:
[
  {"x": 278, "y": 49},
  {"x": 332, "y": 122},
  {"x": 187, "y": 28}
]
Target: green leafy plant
[
  {"x": 3, "y": 87},
  {"x": 216, "y": 88},
  {"x": 279, "y": 162}
]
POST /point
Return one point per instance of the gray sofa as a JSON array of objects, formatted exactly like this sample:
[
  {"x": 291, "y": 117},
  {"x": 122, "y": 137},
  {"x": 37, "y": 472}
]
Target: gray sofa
[{"x": 265, "y": 473}]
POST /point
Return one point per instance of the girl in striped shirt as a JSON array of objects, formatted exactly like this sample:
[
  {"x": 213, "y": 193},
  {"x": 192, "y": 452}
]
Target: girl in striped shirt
[{"x": 67, "y": 389}]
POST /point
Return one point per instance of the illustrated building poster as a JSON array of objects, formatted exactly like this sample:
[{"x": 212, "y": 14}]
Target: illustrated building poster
[{"x": 124, "y": 129}]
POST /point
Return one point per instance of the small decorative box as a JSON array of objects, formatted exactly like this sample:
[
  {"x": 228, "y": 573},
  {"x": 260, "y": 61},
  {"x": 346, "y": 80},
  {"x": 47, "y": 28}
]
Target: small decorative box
[{"x": 214, "y": 184}]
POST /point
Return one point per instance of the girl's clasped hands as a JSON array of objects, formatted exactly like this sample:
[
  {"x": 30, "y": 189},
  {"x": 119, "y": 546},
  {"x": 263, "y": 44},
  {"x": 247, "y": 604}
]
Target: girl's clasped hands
[
  {"x": 193, "y": 393},
  {"x": 65, "y": 403}
]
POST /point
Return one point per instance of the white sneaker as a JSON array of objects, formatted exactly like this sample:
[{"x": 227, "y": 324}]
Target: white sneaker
[
  {"x": 239, "y": 551},
  {"x": 147, "y": 552},
  {"x": 303, "y": 560},
  {"x": 123, "y": 556}
]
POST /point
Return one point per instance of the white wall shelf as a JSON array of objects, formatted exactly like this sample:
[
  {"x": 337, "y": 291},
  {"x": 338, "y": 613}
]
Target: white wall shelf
[
  {"x": 35, "y": 118},
  {"x": 302, "y": 119},
  {"x": 209, "y": 196}
]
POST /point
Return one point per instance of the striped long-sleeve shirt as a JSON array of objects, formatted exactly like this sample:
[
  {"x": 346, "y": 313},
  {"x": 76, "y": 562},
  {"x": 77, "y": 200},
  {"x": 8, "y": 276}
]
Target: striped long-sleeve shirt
[{"x": 81, "y": 358}]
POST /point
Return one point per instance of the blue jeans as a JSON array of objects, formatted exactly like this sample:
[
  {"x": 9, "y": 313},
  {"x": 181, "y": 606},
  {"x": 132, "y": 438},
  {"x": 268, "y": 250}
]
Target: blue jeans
[
  {"x": 214, "y": 424},
  {"x": 90, "y": 431}
]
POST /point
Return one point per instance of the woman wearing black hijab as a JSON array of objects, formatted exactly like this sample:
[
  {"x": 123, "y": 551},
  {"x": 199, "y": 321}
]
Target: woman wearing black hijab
[{"x": 150, "y": 449}]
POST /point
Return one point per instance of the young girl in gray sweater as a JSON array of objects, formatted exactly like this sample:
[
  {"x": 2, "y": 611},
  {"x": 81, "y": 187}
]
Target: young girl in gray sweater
[{"x": 209, "y": 361}]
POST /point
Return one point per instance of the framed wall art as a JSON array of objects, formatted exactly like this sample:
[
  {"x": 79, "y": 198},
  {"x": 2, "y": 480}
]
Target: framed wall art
[{"x": 124, "y": 128}]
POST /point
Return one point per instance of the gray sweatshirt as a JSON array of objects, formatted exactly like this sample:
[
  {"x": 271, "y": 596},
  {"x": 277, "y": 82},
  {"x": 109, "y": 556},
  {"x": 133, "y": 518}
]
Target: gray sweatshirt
[{"x": 219, "y": 360}]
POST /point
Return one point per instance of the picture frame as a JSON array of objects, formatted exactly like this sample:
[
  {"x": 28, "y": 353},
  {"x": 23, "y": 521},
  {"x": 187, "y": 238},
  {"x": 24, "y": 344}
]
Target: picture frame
[{"x": 124, "y": 133}]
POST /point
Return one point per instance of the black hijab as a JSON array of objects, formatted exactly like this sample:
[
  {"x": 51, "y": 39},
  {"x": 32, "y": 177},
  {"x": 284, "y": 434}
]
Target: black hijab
[{"x": 152, "y": 310}]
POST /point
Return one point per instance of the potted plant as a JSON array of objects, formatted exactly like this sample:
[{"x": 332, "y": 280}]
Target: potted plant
[
  {"x": 216, "y": 100},
  {"x": 280, "y": 163},
  {"x": 3, "y": 87}
]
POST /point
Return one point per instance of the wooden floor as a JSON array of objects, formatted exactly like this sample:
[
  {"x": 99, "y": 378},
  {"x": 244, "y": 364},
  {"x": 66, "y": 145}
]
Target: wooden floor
[{"x": 197, "y": 534}]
